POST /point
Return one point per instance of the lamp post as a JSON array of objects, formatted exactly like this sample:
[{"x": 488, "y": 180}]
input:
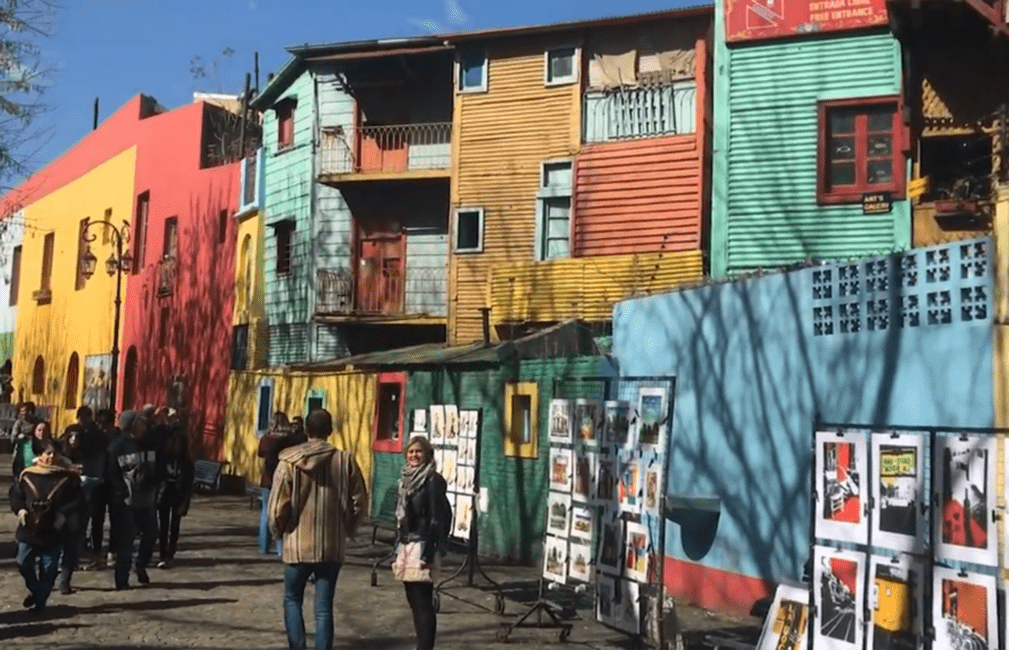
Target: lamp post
[{"x": 117, "y": 264}]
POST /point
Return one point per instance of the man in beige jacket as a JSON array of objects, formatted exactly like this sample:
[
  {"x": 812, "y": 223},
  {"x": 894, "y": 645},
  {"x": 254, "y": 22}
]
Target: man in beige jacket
[{"x": 317, "y": 501}]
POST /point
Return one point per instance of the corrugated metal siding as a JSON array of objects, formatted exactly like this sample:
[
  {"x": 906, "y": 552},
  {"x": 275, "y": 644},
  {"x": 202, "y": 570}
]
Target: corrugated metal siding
[
  {"x": 426, "y": 269},
  {"x": 584, "y": 287},
  {"x": 329, "y": 344},
  {"x": 504, "y": 135},
  {"x": 638, "y": 196},
  {"x": 767, "y": 214},
  {"x": 288, "y": 343},
  {"x": 333, "y": 221}
]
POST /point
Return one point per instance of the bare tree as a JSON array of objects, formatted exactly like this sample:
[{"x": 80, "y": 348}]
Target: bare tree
[{"x": 223, "y": 143}]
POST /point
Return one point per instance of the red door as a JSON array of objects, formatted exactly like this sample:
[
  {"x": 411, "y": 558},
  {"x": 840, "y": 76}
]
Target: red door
[
  {"x": 383, "y": 142},
  {"x": 380, "y": 281}
]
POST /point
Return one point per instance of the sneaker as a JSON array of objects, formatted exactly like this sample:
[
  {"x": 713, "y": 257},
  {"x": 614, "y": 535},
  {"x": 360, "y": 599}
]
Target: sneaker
[
  {"x": 165, "y": 564},
  {"x": 65, "y": 588},
  {"x": 110, "y": 559},
  {"x": 29, "y": 601},
  {"x": 142, "y": 576}
]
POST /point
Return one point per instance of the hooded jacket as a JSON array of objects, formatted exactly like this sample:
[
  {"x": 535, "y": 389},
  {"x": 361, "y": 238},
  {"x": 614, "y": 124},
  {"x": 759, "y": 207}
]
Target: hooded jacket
[
  {"x": 317, "y": 501},
  {"x": 62, "y": 489},
  {"x": 134, "y": 472}
]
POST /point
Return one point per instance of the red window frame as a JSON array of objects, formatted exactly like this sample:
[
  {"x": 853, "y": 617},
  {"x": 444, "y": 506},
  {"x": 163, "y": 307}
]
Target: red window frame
[
  {"x": 825, "y": 194},
  {"x": 285, "y": 124},
  {"x": 394, "y": 444}
]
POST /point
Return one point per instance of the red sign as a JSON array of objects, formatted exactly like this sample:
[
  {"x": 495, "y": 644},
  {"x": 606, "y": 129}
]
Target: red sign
[{"x": 749, "y": 20}]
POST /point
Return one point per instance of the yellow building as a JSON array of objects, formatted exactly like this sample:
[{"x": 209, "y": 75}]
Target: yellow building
[
  {"x": 63, "y": 318},
  {"x": 250, "y": 349}
]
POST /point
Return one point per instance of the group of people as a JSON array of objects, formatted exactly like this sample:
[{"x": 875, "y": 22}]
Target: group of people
[{"x": 140, "y": 473}]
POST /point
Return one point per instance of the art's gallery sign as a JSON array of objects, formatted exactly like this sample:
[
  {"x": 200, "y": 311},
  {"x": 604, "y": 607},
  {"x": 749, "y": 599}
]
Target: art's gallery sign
[{"x": 748, "y": 20}]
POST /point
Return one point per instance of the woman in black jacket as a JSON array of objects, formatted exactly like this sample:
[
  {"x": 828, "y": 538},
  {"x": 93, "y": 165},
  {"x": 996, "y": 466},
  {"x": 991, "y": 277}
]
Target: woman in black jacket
[
  {"x": 424, "y": 518},
  {"x": 173, "y": 504}
]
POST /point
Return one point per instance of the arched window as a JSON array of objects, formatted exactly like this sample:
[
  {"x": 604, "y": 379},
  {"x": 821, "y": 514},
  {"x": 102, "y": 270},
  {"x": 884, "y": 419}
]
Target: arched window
[
  {"x": 130, "y": 378},
  {"x": 73, "y": 373},
  {"x": 39, "y": 376}
]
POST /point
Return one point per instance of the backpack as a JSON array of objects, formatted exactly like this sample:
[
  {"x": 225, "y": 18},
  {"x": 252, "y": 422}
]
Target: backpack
[{"x": 44, "y": 516}]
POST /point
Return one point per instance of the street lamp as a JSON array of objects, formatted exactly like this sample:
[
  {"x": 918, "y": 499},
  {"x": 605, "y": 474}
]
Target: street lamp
[{"x": 117, "y": 264}]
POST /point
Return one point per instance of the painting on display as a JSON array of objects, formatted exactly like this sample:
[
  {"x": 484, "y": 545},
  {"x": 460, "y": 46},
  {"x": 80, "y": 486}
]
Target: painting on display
[
  {"x": 636, "y": 553},
  {"x": 627, "y": 608},
  {"x": 606, "y": 480},
  {"x": 420, "y": 421},
  {"x": 840, "y": 496},
  {"x": 449, "y": 469},
  {"x": 896, "y": 603},
  {"x": 463, "y": 516},
  {"x": 558, "y": 514},
  {"x": 560, "y": 469},
  {"x": 560, "y": 421},
  {"x": 652, "y": 418},
  {"x": 467, "y": 451},
  {"x": 582, "y": 522},
  {"x": 611, "y": 538},
  {"x": 439, "y": 462},
  {"x": 838, "y": 599},
  {"x": 629, "y": 485},
  {"x": 606, "y": 595},
  {"x": 585, "y": 474},
  {"x": 898, "y": 489},
  {"x": 587, "y": 420},
  {"x": 963, "y": 610},
  {"x": 580, "y": 565},
  {"x": 97, "y": 373},
  {"x": 965, "y": 524},
  {"x": 786, "y": 621},
  {"x": 469, "y": 423},
  {"x": 438, "y": 424},
  {"x": 616, "y": 424},
  {"x": 555, "y": 559},
  {"x": 451, "y": 423},
  {"x": 651, "y": 500}
]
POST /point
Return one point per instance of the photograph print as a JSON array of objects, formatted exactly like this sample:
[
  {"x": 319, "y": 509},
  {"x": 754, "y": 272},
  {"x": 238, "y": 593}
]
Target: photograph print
[
  {"x": 964, "y": 610},
  {"x": 560, "y": 469},
  {"x": 629, "y": 485},
  {"x": 558, "y": 514},
  {"x": 653, "y": 418},
  {"x": 585, "y": 474},
  {"x": 582, "y": 522},
  {"x": 898, "y": 488},
  {"x": 841, "y": 463},
  {"x": 580, "y": 564},
  {"x": 611, "y": 542},
  {"x": 451, "y": 423},
  {"x": 616, "y": 425},
  {"x": 420, "y": 421},
  {"x": 651, "y": 501},
  {"x": 965, "y": 526},
  {"x": 636, "y": 552},
  {"x": 438, "y": 424},
  {"x": 786, "y": 621},
  {"x": 838, "y": 596},
  {"x": 606, "y": 481},
  {"x": 463, "y": 517},
  {"x": 560, "y": 421},
  {"x": 896, "y": 603},
  {"x": 555, "y": 559},
  {"x": 587, "y": 419}
]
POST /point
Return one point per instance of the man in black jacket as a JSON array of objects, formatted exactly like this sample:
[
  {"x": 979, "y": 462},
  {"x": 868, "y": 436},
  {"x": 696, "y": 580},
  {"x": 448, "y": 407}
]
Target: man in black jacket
[{"x": 48, "y": 500}]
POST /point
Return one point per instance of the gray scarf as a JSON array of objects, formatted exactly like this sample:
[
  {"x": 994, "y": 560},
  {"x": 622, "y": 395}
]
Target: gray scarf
[{"x": 411, "y": 479}]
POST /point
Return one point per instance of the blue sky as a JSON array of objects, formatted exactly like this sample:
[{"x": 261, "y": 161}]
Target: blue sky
[{"x": 113, "y": 49}]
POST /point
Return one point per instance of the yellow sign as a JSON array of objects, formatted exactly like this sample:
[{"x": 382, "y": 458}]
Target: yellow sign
[
  {"x": 917, "y": 187},
  {"x": 898, "y": 464}
]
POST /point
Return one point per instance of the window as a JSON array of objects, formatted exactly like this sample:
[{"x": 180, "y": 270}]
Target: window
[
  {"x": 958, "y": 167},
  {"x": 264, "y": 406},
  {"x": 171, "y": 242},
  {"x": 860, "y": 150},
  {"x": 521, "y": 419},
  {"x": 222, "y": 227},
  {"x": 140, "y": 231},
  {"x": 315, "y": 399},
  {"x": 285, "y": 123},
  {"x": 48, "y": 249},
  {"x": 73, "y": 374},
  {"x": 15, "y": 275},
  {"x": 473, "y": 71},
  {"x": 284, "y": 231},
  {"x": 163, "y": 325},
  {"x": 553, "y": 239},
  {"x": 561, "y": 66},
  {"x": 39, "y": 376},
  {"x": 469, "y": 230},
  {"x": 130, "y": 378},
  {"x": 240, "y": 347},
  {"x": 81, "y": 245},
  {"x": 389, "y": 411}
]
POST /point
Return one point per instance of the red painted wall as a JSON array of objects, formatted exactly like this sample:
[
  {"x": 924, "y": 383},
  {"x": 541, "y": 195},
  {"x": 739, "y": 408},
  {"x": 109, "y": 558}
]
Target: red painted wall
[
  {"x": 197, "y": 339},
  {"x": 747, "y": 20},
  {"x": 714, "y": 589}
]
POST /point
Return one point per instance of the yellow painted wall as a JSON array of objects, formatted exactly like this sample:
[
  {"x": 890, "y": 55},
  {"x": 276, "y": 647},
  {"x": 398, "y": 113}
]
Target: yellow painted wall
[
  {"x": 584, "y": 287},
  {"x": 349, "y": 396},
  {"x": 76, "y": 320},
  {"x": 250, "y": 306},
  {"x": 500, "y": 139}
]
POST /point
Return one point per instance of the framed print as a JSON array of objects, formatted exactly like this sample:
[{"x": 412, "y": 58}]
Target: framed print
[
  {"x": 555, "y": 559},
  {"x": 588, "y": 417},
  {"x": 629, "y": 485},
  {"x": 469, "y": 422},
  {"x": 585, "y": 475},
  {"x": 463, "y": 516},
  {"x": 651, "y": 499},
  {"x": 439, "y": 462},
  {"x": 611, "y": 543},
  {"x": 636, "y": 552},
  {"x": 420, "y": 421},
  {"x": 838, "y": 581},
  {"x": 606, "y": 480},
  {"x": 558, "y": 514},
  {"x": 786, "y": 621},
  {"x": 465, "y": 479},
  {"x": 965, "y": 492},
  {"x": 606, "y": 595},
  {"x": 449, "y": 469},
  {"x": 451, "y": 423},
  {"x": 896, "y": 603},
  {"x": 963, "y": 610},
  {"x": 438, "y": 424},
  {"x": 627, "y": 609},
  {"x": 616, "y": 424},
  {"x": 580, "y": 564},
  {"x": 653, "y": 417},
  {"x": 465, "y": 453},
  {"x": 560, "y": 469},
  {"x": 560, "y": 421},
  {"x": 582, "y": 522},
  {"x": 898, "y": 491},
  {"x": 841, "y": 464}
]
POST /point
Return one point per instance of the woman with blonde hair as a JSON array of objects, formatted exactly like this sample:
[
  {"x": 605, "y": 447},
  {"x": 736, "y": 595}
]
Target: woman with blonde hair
[{"x": 424, "y": 518}]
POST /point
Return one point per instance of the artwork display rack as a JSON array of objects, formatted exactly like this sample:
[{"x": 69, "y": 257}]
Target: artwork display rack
[{"x": 546, "y": 612}]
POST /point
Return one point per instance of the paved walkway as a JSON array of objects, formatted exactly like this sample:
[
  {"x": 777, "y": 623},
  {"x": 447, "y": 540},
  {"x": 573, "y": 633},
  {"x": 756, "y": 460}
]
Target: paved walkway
[{"x": 223, "y": 594}]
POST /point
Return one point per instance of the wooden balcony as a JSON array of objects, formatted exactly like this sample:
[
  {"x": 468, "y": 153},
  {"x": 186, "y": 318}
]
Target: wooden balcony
[
  {"x": 384, "y": 295},
  {"x": 385, "y": 152}
]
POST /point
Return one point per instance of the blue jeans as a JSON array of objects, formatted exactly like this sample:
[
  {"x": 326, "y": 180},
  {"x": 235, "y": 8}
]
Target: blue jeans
[
  {"x": 295, "y": 577},
  {"x": 39, "y": 567},
  {"x": 264, "y": 524}
]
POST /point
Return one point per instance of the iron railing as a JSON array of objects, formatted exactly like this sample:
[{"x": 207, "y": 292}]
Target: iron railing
[
  {"x": 387, "y": 291},
  {"x": 394, "y": 148},
  {"x": 166, "y": 276},
  {"x": 628, "y": 113}
]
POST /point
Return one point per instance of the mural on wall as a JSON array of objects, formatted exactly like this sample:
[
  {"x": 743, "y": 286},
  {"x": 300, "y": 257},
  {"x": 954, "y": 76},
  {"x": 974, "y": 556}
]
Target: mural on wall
[
  {"x": 837, "y": 597},
  {"x": 965, "y": 493},
  {"x": 896, "y": 603},
  {"x": 898, "y": 486},
  {"x": 840, "y": 474},
  {"x": 963, "y": 610},
  {"x": 747, "y": 20},
  {"x": 97, "y": 374}
]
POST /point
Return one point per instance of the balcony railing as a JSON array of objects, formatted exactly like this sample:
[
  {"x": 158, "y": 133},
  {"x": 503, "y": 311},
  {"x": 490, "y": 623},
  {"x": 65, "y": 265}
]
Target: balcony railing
[
  {"x": 383, "y": 292},
  {"x": 629, "y": 113},
  {"x": 395, "y": 148},
  {"x": 166, "y": 276}
]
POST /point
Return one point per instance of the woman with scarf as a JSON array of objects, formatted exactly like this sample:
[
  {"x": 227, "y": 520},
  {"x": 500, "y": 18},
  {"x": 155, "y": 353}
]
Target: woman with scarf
[{"x": 424, "y": 518}]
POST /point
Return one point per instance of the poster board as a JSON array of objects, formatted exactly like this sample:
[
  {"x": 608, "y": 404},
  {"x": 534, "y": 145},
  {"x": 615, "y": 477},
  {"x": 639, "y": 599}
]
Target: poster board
[
  {"x": 965, "y": 491},
  {"x": 963, "y": 610},
  {"x": 896, "y": 603},
  {"x": 839, "y": 487},
  {"x": 838, "y": 599},
  {"x": 898, "y": 492},
  {"x": 785, "y": 626}
]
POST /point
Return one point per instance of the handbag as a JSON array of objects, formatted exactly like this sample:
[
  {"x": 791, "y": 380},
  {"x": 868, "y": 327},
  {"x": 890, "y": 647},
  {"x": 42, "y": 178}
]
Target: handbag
[{"x": 408, "y": 565}]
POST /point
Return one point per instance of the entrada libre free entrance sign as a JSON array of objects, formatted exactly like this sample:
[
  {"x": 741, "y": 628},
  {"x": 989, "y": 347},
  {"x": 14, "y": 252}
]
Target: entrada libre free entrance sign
[{"x": 748, "y": 20}]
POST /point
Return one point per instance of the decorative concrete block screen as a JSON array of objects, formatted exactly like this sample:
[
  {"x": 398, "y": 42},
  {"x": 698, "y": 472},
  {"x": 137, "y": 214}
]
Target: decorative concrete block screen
[{"x": 924, "y": 287}]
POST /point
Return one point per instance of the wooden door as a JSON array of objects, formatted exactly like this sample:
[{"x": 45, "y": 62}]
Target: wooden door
[
  {"x": 382, "y": 264},
  {"x": 384, "y": 133}
]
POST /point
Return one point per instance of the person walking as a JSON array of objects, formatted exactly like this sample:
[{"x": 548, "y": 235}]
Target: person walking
[
  {"x": 47, "y": 498},
  {"x": 317, "y": 501},
  {"x": 82, "y": 445},
  {"x": 135, "y": 480},
  {"x": 423, "y": 519},
  {"x": 21, "y": 435},
  {"x": 270, "y": 446},
  {"x": 106, "y": 422},
  {"x": 173, "y": 503}
]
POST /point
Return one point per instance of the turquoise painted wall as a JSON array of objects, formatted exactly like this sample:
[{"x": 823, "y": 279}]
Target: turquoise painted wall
[{"x": 764, "y": 212}]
